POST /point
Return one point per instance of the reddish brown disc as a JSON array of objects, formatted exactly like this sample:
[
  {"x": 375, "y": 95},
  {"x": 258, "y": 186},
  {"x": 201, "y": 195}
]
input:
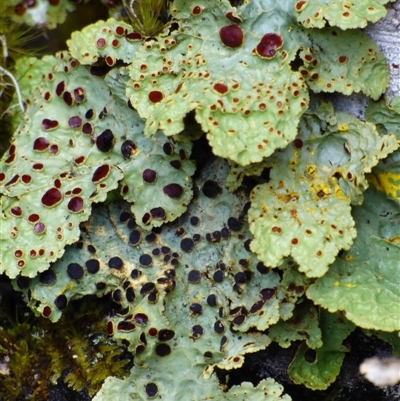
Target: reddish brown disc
[
  {"x": 231, "y": 36},
  {"x": 52, "y": 197}
]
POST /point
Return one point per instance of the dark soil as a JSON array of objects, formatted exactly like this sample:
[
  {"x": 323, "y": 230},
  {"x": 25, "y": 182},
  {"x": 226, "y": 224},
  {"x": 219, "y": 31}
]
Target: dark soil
[{"x": 349, "y": 386}]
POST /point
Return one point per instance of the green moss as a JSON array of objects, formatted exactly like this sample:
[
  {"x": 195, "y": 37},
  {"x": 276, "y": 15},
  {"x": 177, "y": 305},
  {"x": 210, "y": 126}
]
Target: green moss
[{"x": 37, "y": 353}]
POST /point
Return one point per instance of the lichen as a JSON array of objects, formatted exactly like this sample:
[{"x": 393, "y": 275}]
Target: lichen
[
  {"x": 195, "y": 282},
  {"x": 41, "y": 13},
  {"x": 318, "y": 369},
  {"x": 344, "y": 13},
  {"x": 304, "y": 210},
  {"x": 200, "y": 64},
  {"x": 77, "y": 142},
  {"x": 364, "y": 281},
  {"x": 303, "y": 325},
  {"x": 203, "y": 262}
]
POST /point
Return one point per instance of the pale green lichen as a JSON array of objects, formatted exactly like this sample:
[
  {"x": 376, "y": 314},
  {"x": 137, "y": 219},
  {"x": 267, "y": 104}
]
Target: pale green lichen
[
  {"x": 40, "y": 13},
  {"x": 109, "y": 41},
  {"x": 200, "y": 64},
  {"x": 76, "y": 142},
  {"x": 386, "y": 175},
  {"x": 385, "y": 114},
  {"x": 268, "y": 389},
  {"x": 345, "y": 14},
  {"x": 304, "y": 210},
  {"x": 175, "y": 75},
  {"x": 188, "y": 293},
  {"x": 344, "y": 68},
  {"x": 163, "y": 283},
  {"x": 223, "y": 241},
  {"x": 303, "y": 325},
  {"x": 364, "y": 281},
  {"x": 324, "y": 366}
]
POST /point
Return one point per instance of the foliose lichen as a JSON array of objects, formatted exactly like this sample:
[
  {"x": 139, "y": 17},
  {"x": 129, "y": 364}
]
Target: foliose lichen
[
  {"x": 78, "y": 141},
  {"x": 41, "y": 13},
  {"x": 99, "y": 193},
  {"x": 294, "y": 212},
  {"x": 200, "y": 64},
  {"x": 183, "y": 295}
]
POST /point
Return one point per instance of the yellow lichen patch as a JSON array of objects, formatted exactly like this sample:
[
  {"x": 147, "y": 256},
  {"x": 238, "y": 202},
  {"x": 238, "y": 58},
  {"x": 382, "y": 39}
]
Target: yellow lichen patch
[
  {"x": 348, "y": 285},
  {"x": 287, "y": 197},
  {"x": 339, "y": 194},
  {"x": 343, "y": 127},
  {"x": 311, "y": 169},
  {"x": 394, "y": 240},
  {"x": 321, "y": 189},
  {"x": 387, "y": 182}
]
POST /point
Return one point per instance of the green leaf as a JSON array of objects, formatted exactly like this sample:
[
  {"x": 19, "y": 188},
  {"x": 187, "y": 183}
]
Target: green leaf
[
  {"x": 364, "y": 281},
  {"x": 346, "y": 14},
  {"x": 77, "y": 141},
  {"x": 318, "y": 369},
  {"x": 304, "y": 210},
  {"x": 303, "y": 325}
]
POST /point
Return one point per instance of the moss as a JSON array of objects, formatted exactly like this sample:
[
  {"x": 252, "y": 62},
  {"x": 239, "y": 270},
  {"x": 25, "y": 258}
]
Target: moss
[{"x": 34, "y": 354}]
